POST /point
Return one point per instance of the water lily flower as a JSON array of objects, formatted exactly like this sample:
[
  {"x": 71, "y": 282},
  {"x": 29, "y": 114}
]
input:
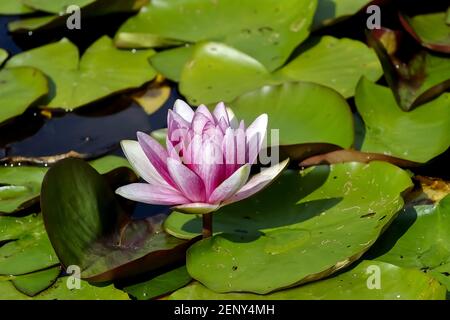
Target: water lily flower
[{"x": 206, "y": 163}]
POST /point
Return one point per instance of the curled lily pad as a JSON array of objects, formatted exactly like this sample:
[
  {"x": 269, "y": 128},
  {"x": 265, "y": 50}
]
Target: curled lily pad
[
  {"x": 418, "y": 135},
  {"x": 420, "y": 79},
  {"x": 19, "y": 89},
  {"x": 160, "y": 285},
  {"x": 302, "y": 228},
  {"x": 21, "y": 185},
  {"x": 307, "y": 115},
  {"x": 431, "y": 30},
  {"x": 102, "y": 71},
  {"x": 35, "y": 23},
  {"x": 28, "y": 248},
  {"x": 266, "y": 31},
  {"x": 418, "y": 238},
  {"x": 108, "y": 244},
  {"x": 33, "y": 283},
  {"x": 14, "y": 7},
  {"x": 61, "y": 291},
  {"x": 335, "y": 63},
  {"x": 396, "y": 284}
]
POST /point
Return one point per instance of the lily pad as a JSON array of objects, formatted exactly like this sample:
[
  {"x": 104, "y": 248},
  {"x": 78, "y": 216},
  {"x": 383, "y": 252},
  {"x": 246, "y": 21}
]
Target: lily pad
[
  {"x": 55, "y": 6},
  {"x": 160, "y": 285},
  {"x": 306, "y": 114},
  {"x": 418, "y": 135},
  {"x": 13, "y": 7},
  {"x": 307, "y": 225},
  {"x": 19, "y": 89},
  {"x": 33, "y": 283},
  {"x": 102, "y": 71},
  {"x": 431, "y": 30},
  {"x": 108, "y": 244},
  {"x": 60, "y": 291},
  {"x": 210, "y": 75},
  {"x": 35, "y": 23},
  {"x": 170, "y": 63},
  {"x": 421, "y": 78},
  {"x": 396, "y": 284},
  {"x": 3, "y": 56},
  {"x": 335, "y": 63},
  {"x": 21, "y": 185},
  {"x": 28, "y": 248},
  {"x": 332, "y": 11},
  {"x": 263, "y": 30},
  {"x": 418, "y": 238}
]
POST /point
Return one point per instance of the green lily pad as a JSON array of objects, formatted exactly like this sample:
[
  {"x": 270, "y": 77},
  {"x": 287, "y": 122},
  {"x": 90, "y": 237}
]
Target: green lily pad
[
  {"x": 335, "y": 63},
  {"x": 170, "y": 63},
  {"x": 431, "y": 30},
  {"x": 294, "y": 109},
  {"x": 35, "y": 23},
  {"x": 102, "y": 71},
  {"x": 55, "y": 6},
  {"x": 420, "y": 79},
  {"x": 33, "y": 283},
  {"x": 418, "y": 135},
  {"x": 266, "y": 31},
  {"x": 396, "y": 284},
  {"x": 19, "y": 89},
  {"x": 160, "y": 285},
  {"x": 418, "y": 238},
  {"x": 28, "y": 248},
  {"x": 332, "y": 11},
  {"x": 60, "y": 291},
  {"x": 303, "y": 227},
  {"x": 14, "y": 7},
  {"x": 90, "y": 8},
  {"x": 3, "y": 55},
  {"x": 108, "y": 244},
  {"x": 210, "y": 75}
]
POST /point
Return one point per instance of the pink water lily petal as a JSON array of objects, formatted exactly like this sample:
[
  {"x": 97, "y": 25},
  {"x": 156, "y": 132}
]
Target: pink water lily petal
[
  {"x": 140, "y": 162},
  {"x": 256, "y": 134},
  {"x": 184, "y": 110},
  {"x": 258, "y": 182},
  {"x": 152, "y": 194},
  {"x": 187, "y": 181},
  {"x": 210, "y": 167},
  {"x": 205, "y": 111},
  {"x": 220, "y": 112},
  {"x": 234, "y": 123},
  {"x": 229, "y": 152},
  {"x": 199, "y": 122},
  {"x": 156, "y": 154},
  {"x": 196, "y": 208},
  {"x": 231, "y": 185}
]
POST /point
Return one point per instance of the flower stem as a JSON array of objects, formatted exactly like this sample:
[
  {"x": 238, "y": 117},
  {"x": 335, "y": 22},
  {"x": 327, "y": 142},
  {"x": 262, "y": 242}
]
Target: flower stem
[{"x": 207, "y": 225}]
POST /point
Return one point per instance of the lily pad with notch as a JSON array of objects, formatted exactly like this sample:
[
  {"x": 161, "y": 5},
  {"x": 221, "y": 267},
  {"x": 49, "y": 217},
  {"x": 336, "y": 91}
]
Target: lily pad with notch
[
  {"x": 302, "y": 228},
  {"x": 262, "y": 29},
  {"x": 101, "y": 72}
]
